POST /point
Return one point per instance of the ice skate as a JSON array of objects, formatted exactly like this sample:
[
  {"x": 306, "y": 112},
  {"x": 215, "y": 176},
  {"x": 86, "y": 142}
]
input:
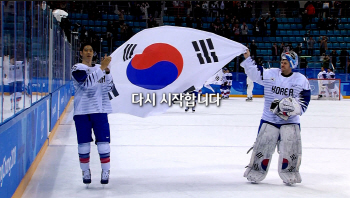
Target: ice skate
[
  {"x": 193, "y": 110},
  {"x": 186, "y": 109},
  {"x": 105, "y": 177},
  {"x": 87, "y": 177}
]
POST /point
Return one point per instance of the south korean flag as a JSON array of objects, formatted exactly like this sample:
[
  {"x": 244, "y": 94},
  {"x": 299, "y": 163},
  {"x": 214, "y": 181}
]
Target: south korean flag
[{"x": 166, "y": 60}]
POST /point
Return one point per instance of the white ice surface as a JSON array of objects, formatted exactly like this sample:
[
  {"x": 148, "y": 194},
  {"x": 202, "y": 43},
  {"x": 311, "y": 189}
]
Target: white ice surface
[{"x": 201, "y": 154}]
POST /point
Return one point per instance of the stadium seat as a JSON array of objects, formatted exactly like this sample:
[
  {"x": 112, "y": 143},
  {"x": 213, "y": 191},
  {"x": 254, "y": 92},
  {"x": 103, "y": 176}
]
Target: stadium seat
[
  {"x": 183, "y": 24},
  {"x": 98, "y": 23},
  {"x": 97, "y": 29},
  {"x": 285, "y": 39},
  {"x": 143, "y": 24},
  {"x": 317, "y": 52},
  {"x": 296, "y": 32},
  {"x": 297, "y": 20},
  {"x": 91, "y": 23},
  {"x": 344, "y": 20},
  {"x": 204, "y": 19},
  {"x": 330, "y": 32},
  {"x": 136, "y": 30},
  {"x": 302, "y": 32},
  {"x": 166, "y": 23},
  {"x": 314, "y": 20},
  {"x": 315, "y": 32},
  {"x": 289, "y": 32},
  {"x": 84, "y": 22},
  {"x": 286, "y": 26},
  {"x": 136, "y": 24},
  {"x": 323, "y": 32},
  {"x": 290, "y": 20},
  {"x": 259, "y": 39},
  {"x": 280, "y": 26},
  {"x": 171, "y": 18},
  {"x": 313, "y": 26},
  {"x": 104, "y": 23},
  {"x": 284, "y": 20},
  {"x": 104, "y": 43},
  {"x": 272, "y": 39},
  {"x": 104, "y": 16},
  {"x": 283, "y": 32},
  {"x": 278, "y": 39},
  {"x": 347, "y": 26},
  {"x": 292, "y": 39},
  {"x": 268, "y": 26},
  {"x": 129, "y": 17},
  {"x": 340, "y": 39},
  {"x": 342, "y": 45},
  {"x": 205, "y": 25},
  {"x": 336, "y": 32},
  {"x": 210, "y": 19},
  {"x": 341, "y": 26},
  {"x": 346, "y": 39},
  {"x": 165, "y": 18},
  {"x": 78, "y": 16},
  {"x": 299, "y": 39},
  {"x": 266, "y": 39},
  {"x": 269, "y": 52},
  {"x": 293, "y": 26},
  {"x": 334, "y": 45},
  {"x": 116, "y": 17},
  {"x": 130, "y": 23},
  {"x": 299, "y": 26},
  {"x": 85, "y": 16},
  {"x": 333, "y": 39},
  {"x": 104, "y": 29},
  {"x": 318, "y": 65},
  {"x": 263, "y": 52}
]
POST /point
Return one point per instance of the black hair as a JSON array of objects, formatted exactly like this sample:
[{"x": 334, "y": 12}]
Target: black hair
[{"x": 85, "y": 44}]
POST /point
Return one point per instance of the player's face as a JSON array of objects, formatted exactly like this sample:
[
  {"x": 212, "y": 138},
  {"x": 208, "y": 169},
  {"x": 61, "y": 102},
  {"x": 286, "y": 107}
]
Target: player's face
[
  {"x": 285, "y": 67},
  {"x": 87, "y": 53}
]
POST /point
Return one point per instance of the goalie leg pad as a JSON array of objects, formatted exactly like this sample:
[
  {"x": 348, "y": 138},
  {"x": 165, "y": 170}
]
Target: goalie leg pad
[
  {"x": 263, "y": 149},
  {"x": 289, "y": 154}
]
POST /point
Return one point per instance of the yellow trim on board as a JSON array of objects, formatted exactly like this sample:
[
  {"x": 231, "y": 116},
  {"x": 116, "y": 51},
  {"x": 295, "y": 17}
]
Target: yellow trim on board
[
  {"x": 346, "y": 97},
  {"x": 27, "y": 177}
]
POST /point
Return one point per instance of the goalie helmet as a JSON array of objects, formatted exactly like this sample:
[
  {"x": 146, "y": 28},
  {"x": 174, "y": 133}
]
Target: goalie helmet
[{"x": 292, "y": 58}]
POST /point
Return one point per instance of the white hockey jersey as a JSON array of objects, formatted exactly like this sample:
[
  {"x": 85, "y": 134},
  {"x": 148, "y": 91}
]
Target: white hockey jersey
[
  {"x": 91, "y": 86},
  {"x": 13, "y": 73},
  {"x": 277, "y": 86},
  {"x": 322, "y": 75}
]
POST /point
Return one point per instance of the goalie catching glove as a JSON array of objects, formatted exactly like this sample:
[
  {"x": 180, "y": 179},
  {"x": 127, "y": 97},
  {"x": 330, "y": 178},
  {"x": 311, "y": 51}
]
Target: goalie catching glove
[{"x": 285, "y": 108}]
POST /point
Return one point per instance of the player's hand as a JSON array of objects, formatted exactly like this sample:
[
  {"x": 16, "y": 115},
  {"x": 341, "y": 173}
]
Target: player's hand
[
  {"x": 247, "y": 54},
  {"x": 286, "y": 105},
  {"x": 105, "y": 62}
]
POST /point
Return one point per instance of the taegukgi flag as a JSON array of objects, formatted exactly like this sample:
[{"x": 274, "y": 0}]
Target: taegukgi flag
[{"x": 163, "y": 60}]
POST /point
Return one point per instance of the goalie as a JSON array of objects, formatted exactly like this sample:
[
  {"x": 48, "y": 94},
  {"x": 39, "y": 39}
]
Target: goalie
[{"x": 287, "y": 96}]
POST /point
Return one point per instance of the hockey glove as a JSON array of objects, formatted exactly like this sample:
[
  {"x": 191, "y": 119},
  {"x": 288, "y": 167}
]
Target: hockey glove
[{"x": 286, "y": 107}]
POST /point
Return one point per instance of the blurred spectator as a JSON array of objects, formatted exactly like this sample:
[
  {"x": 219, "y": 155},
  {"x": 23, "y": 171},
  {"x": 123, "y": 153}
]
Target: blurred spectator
[
  {"x": 256, "y": 30},
  {"x": 244, "y": 30},
  {"x": 144, "y": 9},
  {"x": 123, "y": 30},
  {"x": 325, "y": 62},
  {"x": 323, "y": 44},
  {"x": 273, "y": 26},
  {"x": 343, "y": 57},
  {"x": 273, "y": 8},
  {"x": 310, "y": 46},
  {"x": 199, "y": 23},
  {"x": 152, "y": 22},
  {"x": 329, "y": 23},
  {"x": 217, "y": 26},
  {"x": 274, "y": 50},
  {"x": 253, "y": 48},
  {"x": 334, "y": 56},
  {"x": 178, "y": 21},
  {"x": 227, "y": 19},
  {"x": 189, "y": 21},
  {"x": 310, "y": 11},
  {"x": 321, "y": 25},
  {"x": 227, "y": 31},
  {"x": 263, "y": 25},
  {"x": 304, "y": 19},
  {"x": 281, "y": 48},
  {"x": 298, "y": 49},
  {"x": 197, "y": 11},
  {"x": 83, "y": 34},
  {"x": 236, "y": 32}
]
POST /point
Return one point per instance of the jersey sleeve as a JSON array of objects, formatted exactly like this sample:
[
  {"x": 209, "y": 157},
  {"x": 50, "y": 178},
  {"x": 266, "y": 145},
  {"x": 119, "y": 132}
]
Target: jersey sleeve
[
  {"x": 304, "y": 95},
  {"x": 85, "y": 80},
  {"x": 254, "y": 72}
]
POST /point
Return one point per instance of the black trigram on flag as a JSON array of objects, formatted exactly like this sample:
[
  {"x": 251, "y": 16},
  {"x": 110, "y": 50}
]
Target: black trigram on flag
[
  {"x": 291, "y": 168},
  {"x": 256, "y": 167},
  {"x": 259, "y": 155},
  {"x": 293, "y": 157},
  {"x": 129, "y": 51},
  {"x": 204, "y": 51}
]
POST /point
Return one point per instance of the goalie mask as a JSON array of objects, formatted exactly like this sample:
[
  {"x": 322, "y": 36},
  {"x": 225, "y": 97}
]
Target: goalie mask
[{"x": 292, "y": 58}]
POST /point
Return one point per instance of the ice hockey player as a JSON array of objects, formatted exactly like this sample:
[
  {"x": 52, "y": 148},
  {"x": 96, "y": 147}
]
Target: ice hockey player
[
  {"x": 91, "y": 106},
  {"x": 287, "y": 96},
  {"x": 226, "y": 83},
  {"x": 196, "y": 95},
  {"x": 322, "y": 83},
  {"x": 332, "y": 88},
  {"x": 15, "y": 80}
]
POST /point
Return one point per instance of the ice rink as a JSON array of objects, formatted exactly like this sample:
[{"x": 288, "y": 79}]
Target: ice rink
[{"x": 201, "y": 154}]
